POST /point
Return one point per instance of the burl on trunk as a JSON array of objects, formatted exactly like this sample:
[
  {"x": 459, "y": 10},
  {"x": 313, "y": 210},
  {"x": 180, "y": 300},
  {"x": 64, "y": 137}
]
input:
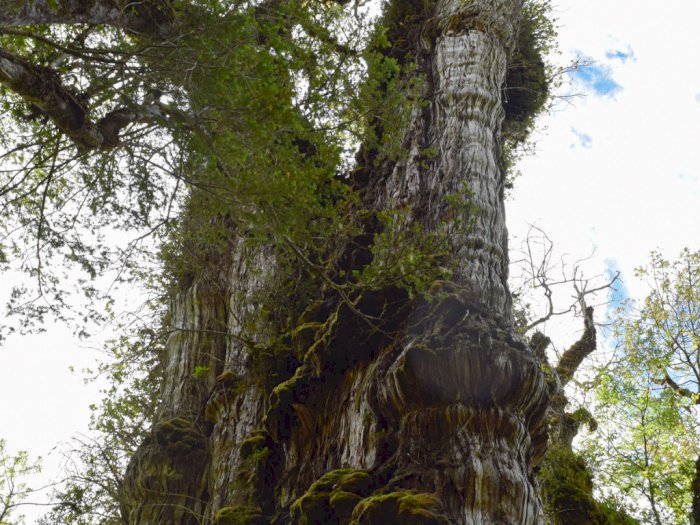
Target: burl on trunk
[{"x": 434, "y": 413}]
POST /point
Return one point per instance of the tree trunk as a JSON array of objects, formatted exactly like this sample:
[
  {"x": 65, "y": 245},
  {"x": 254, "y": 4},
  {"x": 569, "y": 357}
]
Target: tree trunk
[
  {"x": 438, "y": 417},
  {"x": 695, "y": 490}
]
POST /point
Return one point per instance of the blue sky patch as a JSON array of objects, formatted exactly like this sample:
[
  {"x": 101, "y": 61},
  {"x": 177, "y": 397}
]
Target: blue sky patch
[
  {"x": 584, "y": 139},
  {"x": 622, "y": 56},
  {"x": 697, "y": 98},
  {"x": 618, "y": 295},
  {"x": 597, "y": 78}
]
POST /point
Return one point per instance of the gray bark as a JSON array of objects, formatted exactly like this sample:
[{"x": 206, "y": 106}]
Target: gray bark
[
  {"x": 42, "y": 88},
  {"x": 150, "y": 17},
  {"x": 448, "y": 414}
]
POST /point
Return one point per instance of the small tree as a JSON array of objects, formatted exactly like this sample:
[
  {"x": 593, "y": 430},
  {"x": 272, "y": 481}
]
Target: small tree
[
  {"x": 13, "y": 489},
  {"x": 650, "y": 398}
]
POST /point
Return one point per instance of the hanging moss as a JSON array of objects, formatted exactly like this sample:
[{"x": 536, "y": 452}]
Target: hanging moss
[
  {"x": 567, "y": 492},
  {"x": 259, "y": 440},
  {"x": 527, "y": 86},
  {"x": 178, "y": 434},
  {"x": 526, "y": 89},
  {"x": 240, "y": 515},
  {"x": 332, "y": 498},
  {"x": 400, "y": 507},
  {"x": 258, "y": 470}
]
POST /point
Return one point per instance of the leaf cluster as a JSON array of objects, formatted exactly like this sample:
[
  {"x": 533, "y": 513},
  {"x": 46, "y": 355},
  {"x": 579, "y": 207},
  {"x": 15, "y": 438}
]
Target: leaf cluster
[{"x": 648, "y": 397}]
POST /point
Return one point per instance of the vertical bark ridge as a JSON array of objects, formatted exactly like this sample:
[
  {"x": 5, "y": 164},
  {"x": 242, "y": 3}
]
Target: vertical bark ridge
[{"x": 441, "y": 422}]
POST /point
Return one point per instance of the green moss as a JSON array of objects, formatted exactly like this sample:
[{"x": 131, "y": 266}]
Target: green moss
[
  {"x": 178, "y": 434},
  {"x": 240, "y": 515},
  {"x": 311, "y": 508},
  {"x": 279, "y": 417},
  {"x": 344, "y": 496},
  {"x": 332, "y": 498},
  {"x": 356, "y": 481},
  {"x": 567, "y": 492},
  {"x": 226, "y": 376},
  {"x": 396, "y": 508},
  {"x": 342, "y": 504},
  {"x": 257, "y": 473},
  {"x": 212, "y": 411},
  {"x": 258, "y": 441},
  {"x": 227, "y": 387}
]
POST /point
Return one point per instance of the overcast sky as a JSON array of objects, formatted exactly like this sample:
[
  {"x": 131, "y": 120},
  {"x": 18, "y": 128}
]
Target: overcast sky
[{"x": 615, "y": 174}]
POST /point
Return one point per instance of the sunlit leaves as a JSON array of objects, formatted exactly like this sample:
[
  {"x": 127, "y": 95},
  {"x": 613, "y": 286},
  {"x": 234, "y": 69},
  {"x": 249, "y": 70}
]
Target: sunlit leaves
[
  {"x": 649, "y": 398},
  {"x": 14, "y": 469}
]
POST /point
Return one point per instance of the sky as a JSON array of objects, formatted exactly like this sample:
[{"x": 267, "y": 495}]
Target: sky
[
  {"x": 614, "y": 176},
  {"x": 615, "y": 173}
]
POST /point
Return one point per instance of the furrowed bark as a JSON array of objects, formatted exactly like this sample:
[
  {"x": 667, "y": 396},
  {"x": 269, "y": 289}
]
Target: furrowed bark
[
  {"x": 565, "y": 480},
  {"x": 441, "y": 422}
]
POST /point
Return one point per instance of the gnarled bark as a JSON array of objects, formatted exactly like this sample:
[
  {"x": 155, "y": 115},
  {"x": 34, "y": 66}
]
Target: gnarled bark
[
  {"x": 565, "y": 479},
  {"x": 436, "y": 418}
]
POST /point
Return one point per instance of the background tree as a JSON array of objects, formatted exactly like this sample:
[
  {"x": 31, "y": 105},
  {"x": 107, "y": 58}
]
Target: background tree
[
  {"x": 553, "y": 289},
  {"x": 14, "y": 491},
  {"x": 650, "y": 398},
  {"x": 94, "y": 464}
]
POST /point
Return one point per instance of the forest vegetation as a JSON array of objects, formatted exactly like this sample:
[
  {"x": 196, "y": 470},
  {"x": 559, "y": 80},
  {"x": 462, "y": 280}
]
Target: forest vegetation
[{"x": 312, "y": 195}]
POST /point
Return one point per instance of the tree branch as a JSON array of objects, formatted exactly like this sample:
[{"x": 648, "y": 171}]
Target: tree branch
[
  {"x": 148, "y": 17},
  {"x": 678, "y": 389},
  {"x": 572, "y": 358},
  {"x": 41, "y": 87}
]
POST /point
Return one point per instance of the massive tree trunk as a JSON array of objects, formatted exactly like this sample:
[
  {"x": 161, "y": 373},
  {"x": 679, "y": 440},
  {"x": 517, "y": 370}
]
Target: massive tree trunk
[{"x": 434, "y": 413}]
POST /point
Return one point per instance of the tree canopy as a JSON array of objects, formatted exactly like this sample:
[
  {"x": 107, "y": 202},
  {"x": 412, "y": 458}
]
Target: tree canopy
[
  {"x": 647, "y": 447},
  {"x": 140, "y": 141}
]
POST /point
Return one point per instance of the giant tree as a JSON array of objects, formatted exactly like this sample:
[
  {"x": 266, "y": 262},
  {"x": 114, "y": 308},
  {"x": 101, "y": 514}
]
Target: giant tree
[{"x": 339, "y": 338}]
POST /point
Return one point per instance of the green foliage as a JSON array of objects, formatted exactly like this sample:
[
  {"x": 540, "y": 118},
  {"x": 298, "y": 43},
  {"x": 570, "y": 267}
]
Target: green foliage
[
  {"x": 567, "y": 492},
  {"x": 119, "y": 424},
  {"x": 253, "y": 117},
  {"x": 14, "y": 468},
  {"x": 200, "y": 372},
  {"x": 421, "y": 259},
  {"x": 649, "y": 437},
  {"x": 530, "y": 78}
]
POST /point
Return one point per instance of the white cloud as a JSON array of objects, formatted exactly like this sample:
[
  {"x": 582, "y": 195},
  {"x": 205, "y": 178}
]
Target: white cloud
[
  {"x": 623, "y": 197},
  {"x": 594, "y": 78}
]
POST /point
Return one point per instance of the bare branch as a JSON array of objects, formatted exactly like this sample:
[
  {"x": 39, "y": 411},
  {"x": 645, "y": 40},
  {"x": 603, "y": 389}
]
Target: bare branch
[
  {"x": 572, "y": 358},
  {"x": 537, "y": 268}
]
